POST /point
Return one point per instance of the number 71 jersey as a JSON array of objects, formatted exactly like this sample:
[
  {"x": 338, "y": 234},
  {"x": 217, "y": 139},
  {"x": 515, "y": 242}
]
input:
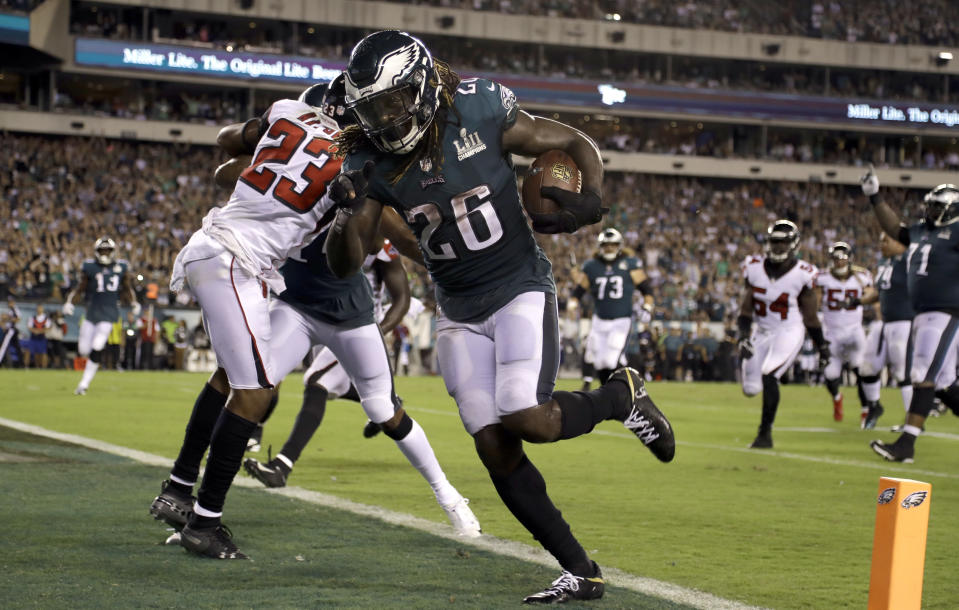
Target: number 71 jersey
[{"x": 776, "y": 300}]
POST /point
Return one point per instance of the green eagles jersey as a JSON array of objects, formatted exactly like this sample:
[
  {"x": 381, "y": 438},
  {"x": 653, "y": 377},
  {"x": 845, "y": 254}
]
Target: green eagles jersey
[
  {"x": 103, "y": 289},
  {"x": 611, "y": 286},
  {"x": 933, "y": 266},
  {"x": 467, "y": 216},
  {"x": 892, "y": 283}
]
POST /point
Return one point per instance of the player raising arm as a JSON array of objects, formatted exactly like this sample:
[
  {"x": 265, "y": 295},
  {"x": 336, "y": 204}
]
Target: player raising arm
[{"x": 932, "y": 263}]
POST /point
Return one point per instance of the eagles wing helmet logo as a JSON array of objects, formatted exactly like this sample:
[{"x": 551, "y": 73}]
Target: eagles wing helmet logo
[
  {"x": 887, "y": 495},
  {"x": 914, "y": 499},
  {"x": 399, "y": 63}
]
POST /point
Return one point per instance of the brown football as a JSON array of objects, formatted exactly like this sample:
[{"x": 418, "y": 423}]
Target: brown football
[{"x": 552, "y": 168}]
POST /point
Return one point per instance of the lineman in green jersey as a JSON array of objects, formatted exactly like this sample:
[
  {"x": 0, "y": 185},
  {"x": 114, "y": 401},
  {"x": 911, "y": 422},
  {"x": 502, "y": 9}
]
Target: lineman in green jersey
[
  {"x": 439, "y": 150},
  {"x": 932, "y": 265},
  {"x": 104, "y": 280},
  {"x": 611, "y": 278}
]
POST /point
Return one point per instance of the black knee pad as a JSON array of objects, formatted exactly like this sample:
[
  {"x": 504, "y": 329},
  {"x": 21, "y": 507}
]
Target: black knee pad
[
  {"x": 96, "y": 356},
  {"x": 869, "y": 378},
  {"x": 401, "y": 430}
]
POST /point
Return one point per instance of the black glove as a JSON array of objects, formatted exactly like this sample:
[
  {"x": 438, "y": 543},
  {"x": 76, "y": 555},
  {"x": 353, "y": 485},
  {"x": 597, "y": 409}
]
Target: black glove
[
  {"x": 348, "y": 190},
  {"x": 578, "y": 210},
  {"x": 823, "y": 356},
  {"x": 746, "y": 350},
  {"x": 851, "y": 302}
]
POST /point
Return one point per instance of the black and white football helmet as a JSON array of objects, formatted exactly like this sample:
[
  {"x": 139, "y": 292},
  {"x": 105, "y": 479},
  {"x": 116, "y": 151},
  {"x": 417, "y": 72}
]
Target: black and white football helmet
[
  {"x": 392, "y": 89},
  {"x": 839, "y": 254},
  {"x": 106, "y": 250},
  {"x": 942, "y": 205},
  {"x": 782, "y": 240},
  {"x": 610, "y": 243},
  {"x": 329, "y": 99}
]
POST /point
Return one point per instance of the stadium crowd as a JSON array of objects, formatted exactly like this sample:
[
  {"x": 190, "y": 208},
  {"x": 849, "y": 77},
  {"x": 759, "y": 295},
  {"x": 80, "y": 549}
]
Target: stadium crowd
[
  {"x": 59, "y": 194},
  {"x": 884, "y": 21}
]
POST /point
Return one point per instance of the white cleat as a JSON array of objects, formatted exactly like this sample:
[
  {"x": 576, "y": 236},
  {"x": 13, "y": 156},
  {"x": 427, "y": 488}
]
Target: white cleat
[
  {"x": 80, "y": 391},
  {"x": 463, "y": 520}
]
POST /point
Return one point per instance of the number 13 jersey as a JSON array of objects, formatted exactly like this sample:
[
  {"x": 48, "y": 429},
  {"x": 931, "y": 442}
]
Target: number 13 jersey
[
  {"x": 776, "y": 300},
  {"x": 467, "y": 216}
]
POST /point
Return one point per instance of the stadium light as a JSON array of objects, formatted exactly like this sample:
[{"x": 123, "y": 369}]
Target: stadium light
[{"x": 942, "y": 58}]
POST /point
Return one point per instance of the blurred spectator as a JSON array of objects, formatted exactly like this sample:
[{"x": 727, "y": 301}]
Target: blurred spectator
[
  {"x": 38, "y": 326},
  {"x": 181, "y": 341},
  {"x": 130, "y": 341},
  {"x": 55, "y": 334},
  {"x": 149, "y": 329}
]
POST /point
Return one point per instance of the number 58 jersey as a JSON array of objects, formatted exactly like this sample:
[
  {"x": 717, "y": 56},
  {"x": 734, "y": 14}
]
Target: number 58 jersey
[
  {"x": 279, "y": 199},
  {"x": 776, "y": 300}
]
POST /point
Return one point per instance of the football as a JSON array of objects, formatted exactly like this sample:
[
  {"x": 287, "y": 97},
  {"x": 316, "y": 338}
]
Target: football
[{"x": 552, "y": 168}]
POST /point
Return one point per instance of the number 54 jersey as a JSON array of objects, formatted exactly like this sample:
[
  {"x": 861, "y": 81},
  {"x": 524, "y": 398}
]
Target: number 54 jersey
[
  {"x": 776, "y": 300},
  {"x": 278, "y": 200}
]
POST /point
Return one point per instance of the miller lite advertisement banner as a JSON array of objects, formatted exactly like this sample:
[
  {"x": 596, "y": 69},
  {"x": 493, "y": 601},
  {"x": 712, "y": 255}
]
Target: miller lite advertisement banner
[{"x": 577, "y": 95}]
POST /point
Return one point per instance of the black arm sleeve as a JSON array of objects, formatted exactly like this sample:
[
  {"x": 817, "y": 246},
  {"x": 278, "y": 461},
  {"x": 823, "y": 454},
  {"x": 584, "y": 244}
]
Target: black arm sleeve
[
  {"x": 578, "y": 292},
  {"x": 744, "y": 323},
  {"x": 815, "y": 333},
  {"x": 903, "y": 237},
  {"x": 646, "y": 287}
]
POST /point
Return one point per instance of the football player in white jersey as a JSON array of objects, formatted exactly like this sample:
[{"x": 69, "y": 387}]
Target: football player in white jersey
[
  {"x": 230, "y": 265},
  {"x": 842, "y": 289},
  {"x": 781, "y": 299}
]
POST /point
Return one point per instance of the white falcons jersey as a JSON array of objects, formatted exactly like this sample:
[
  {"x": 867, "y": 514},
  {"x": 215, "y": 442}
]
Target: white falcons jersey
[
  {"x": 280, "y": 198},
  {"x": 386, "y": 254},
  {"x": 835, "y": 291},
  {"x": 776, "y": 301}
]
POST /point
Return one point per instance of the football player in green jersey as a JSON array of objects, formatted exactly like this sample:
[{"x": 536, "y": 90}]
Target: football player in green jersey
[
  {"x": 442, "y": 147},
  {"x": 104, "y": 280}
]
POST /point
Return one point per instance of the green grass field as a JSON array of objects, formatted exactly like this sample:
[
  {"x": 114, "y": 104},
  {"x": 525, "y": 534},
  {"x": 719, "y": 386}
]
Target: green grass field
[{"x": 789, "y": 528}]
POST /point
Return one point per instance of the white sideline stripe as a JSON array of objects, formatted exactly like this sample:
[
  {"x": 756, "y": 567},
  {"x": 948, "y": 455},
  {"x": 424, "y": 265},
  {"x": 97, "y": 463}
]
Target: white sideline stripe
[{"x": 508, "y": 548}]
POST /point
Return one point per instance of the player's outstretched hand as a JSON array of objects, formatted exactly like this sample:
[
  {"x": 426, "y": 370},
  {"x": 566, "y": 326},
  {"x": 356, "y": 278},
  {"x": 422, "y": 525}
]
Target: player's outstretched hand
[
  {"x": 851, "y": 302},
  {"x": 869, "y": 182},
  {"x": 68, "y": 309},
  {"x": 136, "y": 308},
  {"x": 349, "y": 188},
  {"x": 746, "y": 350},
  {"x": 578, "y": 210},
  {"x": 644, "y": 314}
]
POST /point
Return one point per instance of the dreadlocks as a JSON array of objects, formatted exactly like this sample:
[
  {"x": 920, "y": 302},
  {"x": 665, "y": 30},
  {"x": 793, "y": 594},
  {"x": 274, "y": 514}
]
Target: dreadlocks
[{"x": 430, "y": 147}]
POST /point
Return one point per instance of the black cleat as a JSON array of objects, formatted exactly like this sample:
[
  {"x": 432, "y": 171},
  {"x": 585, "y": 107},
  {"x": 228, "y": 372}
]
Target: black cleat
[
  {"x": 215, "y": 542},
  {"x": 644, "y": 420},
  {"x": 172, "y": 506},
  {"x": 371, "y": 429},
  {"x": 568, "y": 587},
  {"x": 762, "y": 441},
  {"x": 875, "y": 412},
  {"x": 895, "y": 452},
  {"x": 271, "y": 474}
]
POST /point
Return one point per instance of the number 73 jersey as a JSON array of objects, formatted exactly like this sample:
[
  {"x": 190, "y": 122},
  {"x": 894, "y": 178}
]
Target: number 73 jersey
[{"x": 776, "y": 300}]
